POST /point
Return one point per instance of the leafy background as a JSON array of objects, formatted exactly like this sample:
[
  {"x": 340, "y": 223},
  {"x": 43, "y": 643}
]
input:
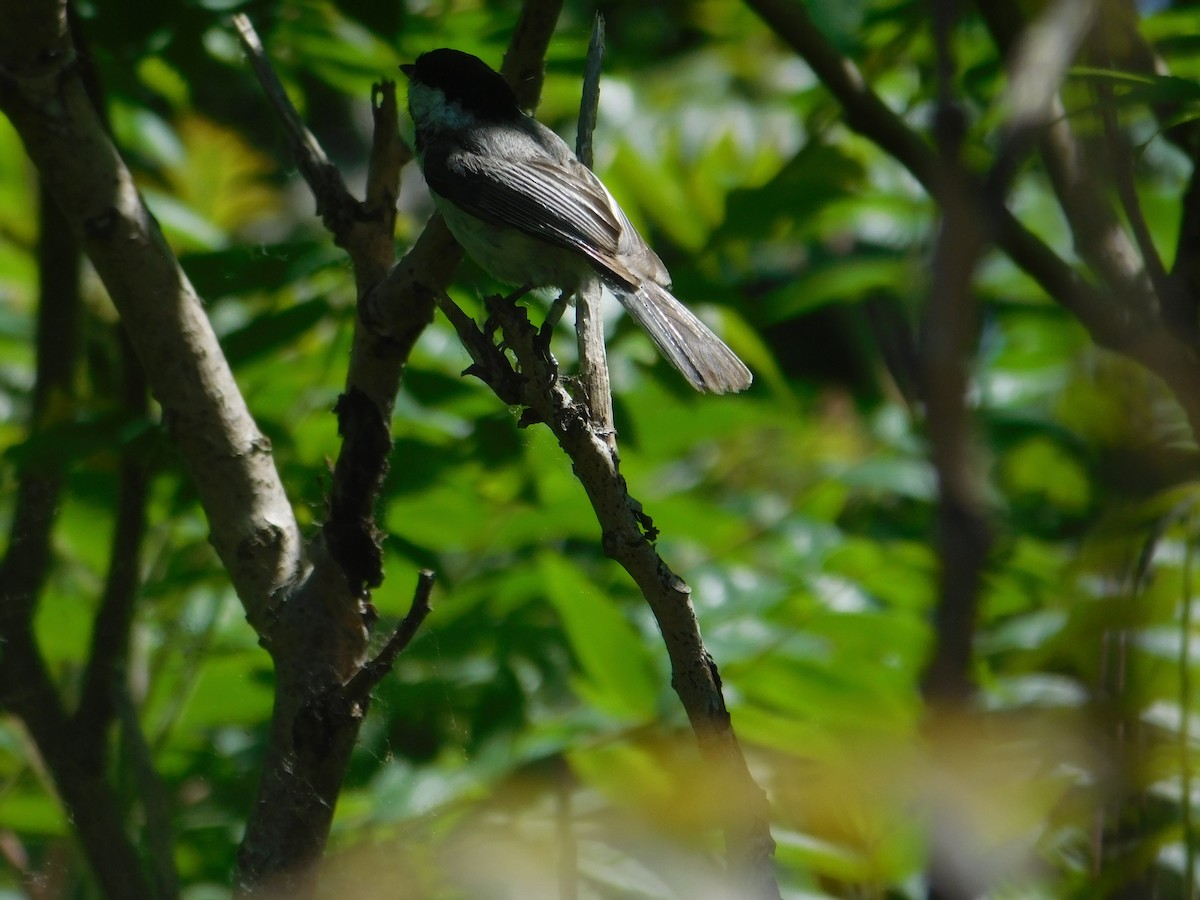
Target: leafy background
[{"x": 801, "y": 512}]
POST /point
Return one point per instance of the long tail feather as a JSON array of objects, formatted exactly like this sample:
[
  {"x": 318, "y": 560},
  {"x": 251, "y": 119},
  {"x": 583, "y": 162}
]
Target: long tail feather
[{"x": 686, "y": 342}]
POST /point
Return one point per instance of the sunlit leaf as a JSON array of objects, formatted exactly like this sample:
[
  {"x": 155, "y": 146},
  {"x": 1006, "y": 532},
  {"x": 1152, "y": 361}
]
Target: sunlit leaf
[{"x": 618, "y": 676}]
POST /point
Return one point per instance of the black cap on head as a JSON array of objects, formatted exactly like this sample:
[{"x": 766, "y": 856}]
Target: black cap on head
[{"x": 465, "y": 79}]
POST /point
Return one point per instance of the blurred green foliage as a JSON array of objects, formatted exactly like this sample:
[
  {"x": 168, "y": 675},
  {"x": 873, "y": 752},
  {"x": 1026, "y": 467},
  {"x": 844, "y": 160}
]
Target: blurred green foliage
[{"x": 801, "y": 513}]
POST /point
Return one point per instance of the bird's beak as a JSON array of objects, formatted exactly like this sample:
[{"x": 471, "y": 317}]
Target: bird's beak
[{"x": 407, "y": 69}]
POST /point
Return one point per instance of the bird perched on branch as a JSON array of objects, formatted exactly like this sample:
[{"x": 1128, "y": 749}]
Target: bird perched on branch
[{"x": 523, "y": 207}]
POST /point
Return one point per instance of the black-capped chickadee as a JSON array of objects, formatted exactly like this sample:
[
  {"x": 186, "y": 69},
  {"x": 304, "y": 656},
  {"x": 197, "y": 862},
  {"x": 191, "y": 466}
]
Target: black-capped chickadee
[{"x": 526, "y": 210}]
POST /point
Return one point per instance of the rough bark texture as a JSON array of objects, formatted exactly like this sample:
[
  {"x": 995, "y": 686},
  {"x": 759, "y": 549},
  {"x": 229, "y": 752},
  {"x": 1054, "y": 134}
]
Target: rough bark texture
[
  {"x": 322, "y": 631},
  {"x": 251, "y": 521},
  {"x": 628, "y": 536}
]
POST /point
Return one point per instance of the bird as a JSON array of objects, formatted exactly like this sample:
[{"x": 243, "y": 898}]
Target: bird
[{"x": 532, "y": 215}]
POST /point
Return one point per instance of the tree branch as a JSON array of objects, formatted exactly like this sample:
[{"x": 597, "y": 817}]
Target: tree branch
[
  {"x": 524, "y": 65},
  {"x": 103, "y": 680},
  {"x": 628, "y": 536},
  {"x": 589, "y": 319},
  {"x": 323, "y": 628},
  {"x": 27, "y": 560},
  {"x": 1109, "y": 320},
  {"x": 358, "y": 689},
  {"x": 950, "y": 331},
  {"x": 251, "y": 521},
  {"x": 26, "y": 688}
]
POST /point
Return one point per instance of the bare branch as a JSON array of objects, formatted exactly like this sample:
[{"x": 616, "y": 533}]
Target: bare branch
[
  {"x": 950, "y": 331},
  {"x": 589, "y": 103},
  {"x": 322, "y": 176},
  {"x": 26, "y": 688},
  {"x": 628, "y": 536},
  {"x": 525, "y": 60},
  {"x": 27, "y": 560},
  {"x": 103, "y": 680},
  {"x": 358, "y": 689},
  {"x": 253, "y": 529},
  {"x": 1112, "y": 322},
  {"x": 589, "y": 319}
]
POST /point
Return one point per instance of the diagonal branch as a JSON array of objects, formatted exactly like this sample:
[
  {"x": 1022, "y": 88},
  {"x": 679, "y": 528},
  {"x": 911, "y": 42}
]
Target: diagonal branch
[
  {"x": 1103, "y": 311},
  {"x": 334, "y": 203},
  {"x": 628, "y": 536},
  {"x": 251, "y": 521},
  {"x": 358, "y": 689}
]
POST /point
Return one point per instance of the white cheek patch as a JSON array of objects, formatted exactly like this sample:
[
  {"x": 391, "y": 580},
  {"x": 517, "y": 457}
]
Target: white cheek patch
[{"x": 430, "y": 109}]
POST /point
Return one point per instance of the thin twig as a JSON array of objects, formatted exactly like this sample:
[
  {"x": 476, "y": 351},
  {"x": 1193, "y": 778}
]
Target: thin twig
[
  {"x": 589, "y": 318},
  {"x": 374, "y": 671},
  {"x": 321, "y": 175},
  {"x": 1123, "y": 167},
  {"x": 589, "y": 104}
]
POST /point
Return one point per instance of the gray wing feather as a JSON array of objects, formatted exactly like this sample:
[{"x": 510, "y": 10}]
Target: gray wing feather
[
  {"x": 539, "y": 188},
  {"x": 564, "y": 205}
]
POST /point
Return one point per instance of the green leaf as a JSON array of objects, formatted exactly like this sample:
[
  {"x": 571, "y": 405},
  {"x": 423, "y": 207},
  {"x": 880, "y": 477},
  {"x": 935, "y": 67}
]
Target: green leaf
[
  {"x": 816, "y": 176},
  {"x": 1142, "y": 89},
  {"x": 245, "y": 269},
  {"x": 1041, "y": 471},
  {"x": 271, "y": 331},
  {"x": 230, "y": 690},
  {"x": 32, "y": 813},
  {"x": 840, "y": 281},
  {"x": 618, "y": 675}
]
